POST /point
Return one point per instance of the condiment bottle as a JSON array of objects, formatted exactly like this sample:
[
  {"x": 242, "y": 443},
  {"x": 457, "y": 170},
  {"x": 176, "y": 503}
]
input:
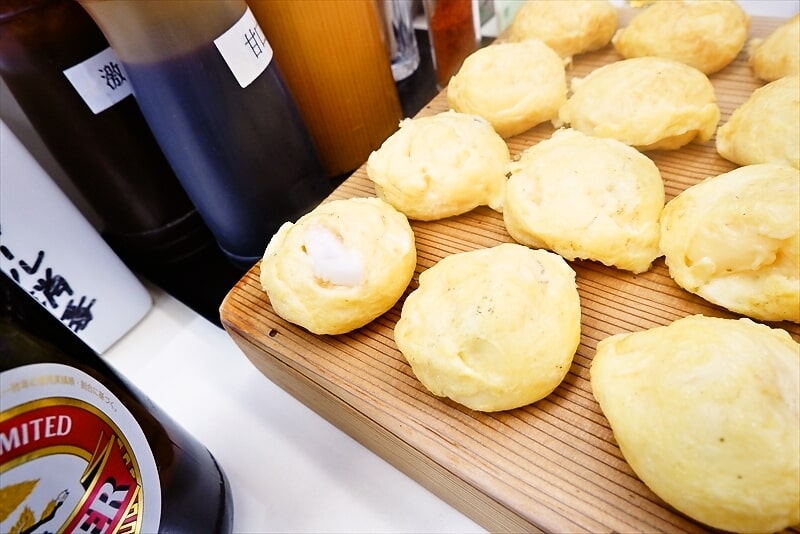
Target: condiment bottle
[
  {"x": 454, "y": 31},
  {"x": 68, "y": 83},
  {"x": 205, "y": 80},
  {"x": 83, "y": 450},
  {"x": 336, "y": 65}
]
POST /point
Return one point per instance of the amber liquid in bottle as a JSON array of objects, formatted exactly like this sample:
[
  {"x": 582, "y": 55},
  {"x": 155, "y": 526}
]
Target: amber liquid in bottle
[{"x": 333, "y": 57}]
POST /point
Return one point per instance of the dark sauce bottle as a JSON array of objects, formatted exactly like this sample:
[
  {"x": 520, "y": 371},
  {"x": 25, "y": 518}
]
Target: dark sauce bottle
[
  {"x": 239, "y": 147},
  {"x": 110, "y": 155},
  {"x": 60, "y": 398}
]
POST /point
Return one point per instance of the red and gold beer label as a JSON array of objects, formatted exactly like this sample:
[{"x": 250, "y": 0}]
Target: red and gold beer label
[{"x": 72, "y": 457}]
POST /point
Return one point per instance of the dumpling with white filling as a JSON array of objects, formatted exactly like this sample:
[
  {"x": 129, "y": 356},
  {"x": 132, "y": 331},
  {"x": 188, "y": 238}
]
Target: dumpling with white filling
[{"x": 340, "y": 266}]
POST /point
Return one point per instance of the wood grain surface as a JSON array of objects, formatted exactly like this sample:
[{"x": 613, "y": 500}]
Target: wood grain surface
[{"x": 552, "y": 466}]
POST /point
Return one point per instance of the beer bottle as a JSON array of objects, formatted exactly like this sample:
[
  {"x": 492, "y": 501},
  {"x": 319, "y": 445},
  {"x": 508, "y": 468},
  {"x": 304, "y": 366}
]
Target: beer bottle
[{"x": 82, "y": 450}]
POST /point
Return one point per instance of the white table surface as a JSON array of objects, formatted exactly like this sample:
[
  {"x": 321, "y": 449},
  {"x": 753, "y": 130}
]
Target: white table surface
[{"x": 290, "y": 470}]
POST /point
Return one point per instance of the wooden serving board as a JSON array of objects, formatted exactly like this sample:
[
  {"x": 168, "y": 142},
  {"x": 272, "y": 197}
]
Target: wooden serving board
[{"x": 552, "y": 466}]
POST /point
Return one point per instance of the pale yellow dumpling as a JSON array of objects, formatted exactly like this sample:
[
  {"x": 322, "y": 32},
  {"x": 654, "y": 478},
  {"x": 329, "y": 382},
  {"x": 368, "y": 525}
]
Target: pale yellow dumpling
[
  {"x": 706, "y": 412},
  {"x": 569, "y": 27},
  {"x": 734, "y": 239},
  {"x": 705, "y": 34},
  {"x": 779, "y": 54},
  {"x": 441, "y": 165},
  {"x": 586, "y": 198},
  {"x": 766, "y": 128},
  {"x": 340, "y": 266},
  {"x": 648, "y": 103},
  {"x": 492, "y": 329},
  {"x": 514, "y": 86}
]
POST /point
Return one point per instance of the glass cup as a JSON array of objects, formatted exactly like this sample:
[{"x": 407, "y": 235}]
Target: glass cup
[
  {"x": 398, "y": 22},
  {"x": 455, "y": 32}
]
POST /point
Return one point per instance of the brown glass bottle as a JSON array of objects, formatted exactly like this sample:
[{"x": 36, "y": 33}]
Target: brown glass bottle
[
  {"x": 111, "y": 157},
  {"x": 194, "y": 493}
]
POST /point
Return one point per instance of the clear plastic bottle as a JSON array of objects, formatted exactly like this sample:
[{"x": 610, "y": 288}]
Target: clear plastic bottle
[{"x": 217, "y": 104}]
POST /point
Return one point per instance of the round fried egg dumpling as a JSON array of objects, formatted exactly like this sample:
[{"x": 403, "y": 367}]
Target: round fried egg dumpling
[
  {"x": 514, "y": 86},
  {"x": 441, "y": 165},
  {"x": 778, "y": 55},
  {"x": 648, "y": 102},
  {"x": 492, "y": 329},
  {"x": 706, "y": 413},
  {"x": 707, "y": 35},
  {"x": 734, "y": 240},
  {"x": 569, "y": 27},
  {"x": 340, "y": 266},
  {"x": 766, "y": 128},
  {"x": 586, "y": 198}
]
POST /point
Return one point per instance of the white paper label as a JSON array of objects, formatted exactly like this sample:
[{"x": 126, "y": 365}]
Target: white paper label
[
  {"x": 245, "y": 49},
  {"x": 49, "y": 249},
  {"x": 100, "y": 80}
]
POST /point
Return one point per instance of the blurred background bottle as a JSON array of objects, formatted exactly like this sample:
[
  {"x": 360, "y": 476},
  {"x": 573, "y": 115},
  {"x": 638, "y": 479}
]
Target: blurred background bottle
[
  {"x": 217, "y": 104},
  {"x": 111, "y": 460},
  {"x": 69, "y": 84},
  {"x": 454, "y": 29},
  {"x": 336, "y": 65}
]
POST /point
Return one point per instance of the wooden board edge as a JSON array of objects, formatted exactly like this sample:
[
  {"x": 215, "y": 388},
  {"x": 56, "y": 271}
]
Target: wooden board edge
[{"x": 434, "y": 477}]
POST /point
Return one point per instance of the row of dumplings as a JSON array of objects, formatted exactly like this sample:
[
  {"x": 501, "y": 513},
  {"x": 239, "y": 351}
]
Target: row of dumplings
[
  {"x": 705, "y": 410},
  {"x": 733, "y": 239},
  {"x": 707, "y": 35},
  {"x": 653, "y": 98},
  {"x": 593, "y": 194},
  {"x": 497, "y": 328}
]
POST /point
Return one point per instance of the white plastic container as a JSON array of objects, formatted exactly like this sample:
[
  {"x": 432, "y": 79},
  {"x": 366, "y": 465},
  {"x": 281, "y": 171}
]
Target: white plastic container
[{"x": 49, "y": 248}]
